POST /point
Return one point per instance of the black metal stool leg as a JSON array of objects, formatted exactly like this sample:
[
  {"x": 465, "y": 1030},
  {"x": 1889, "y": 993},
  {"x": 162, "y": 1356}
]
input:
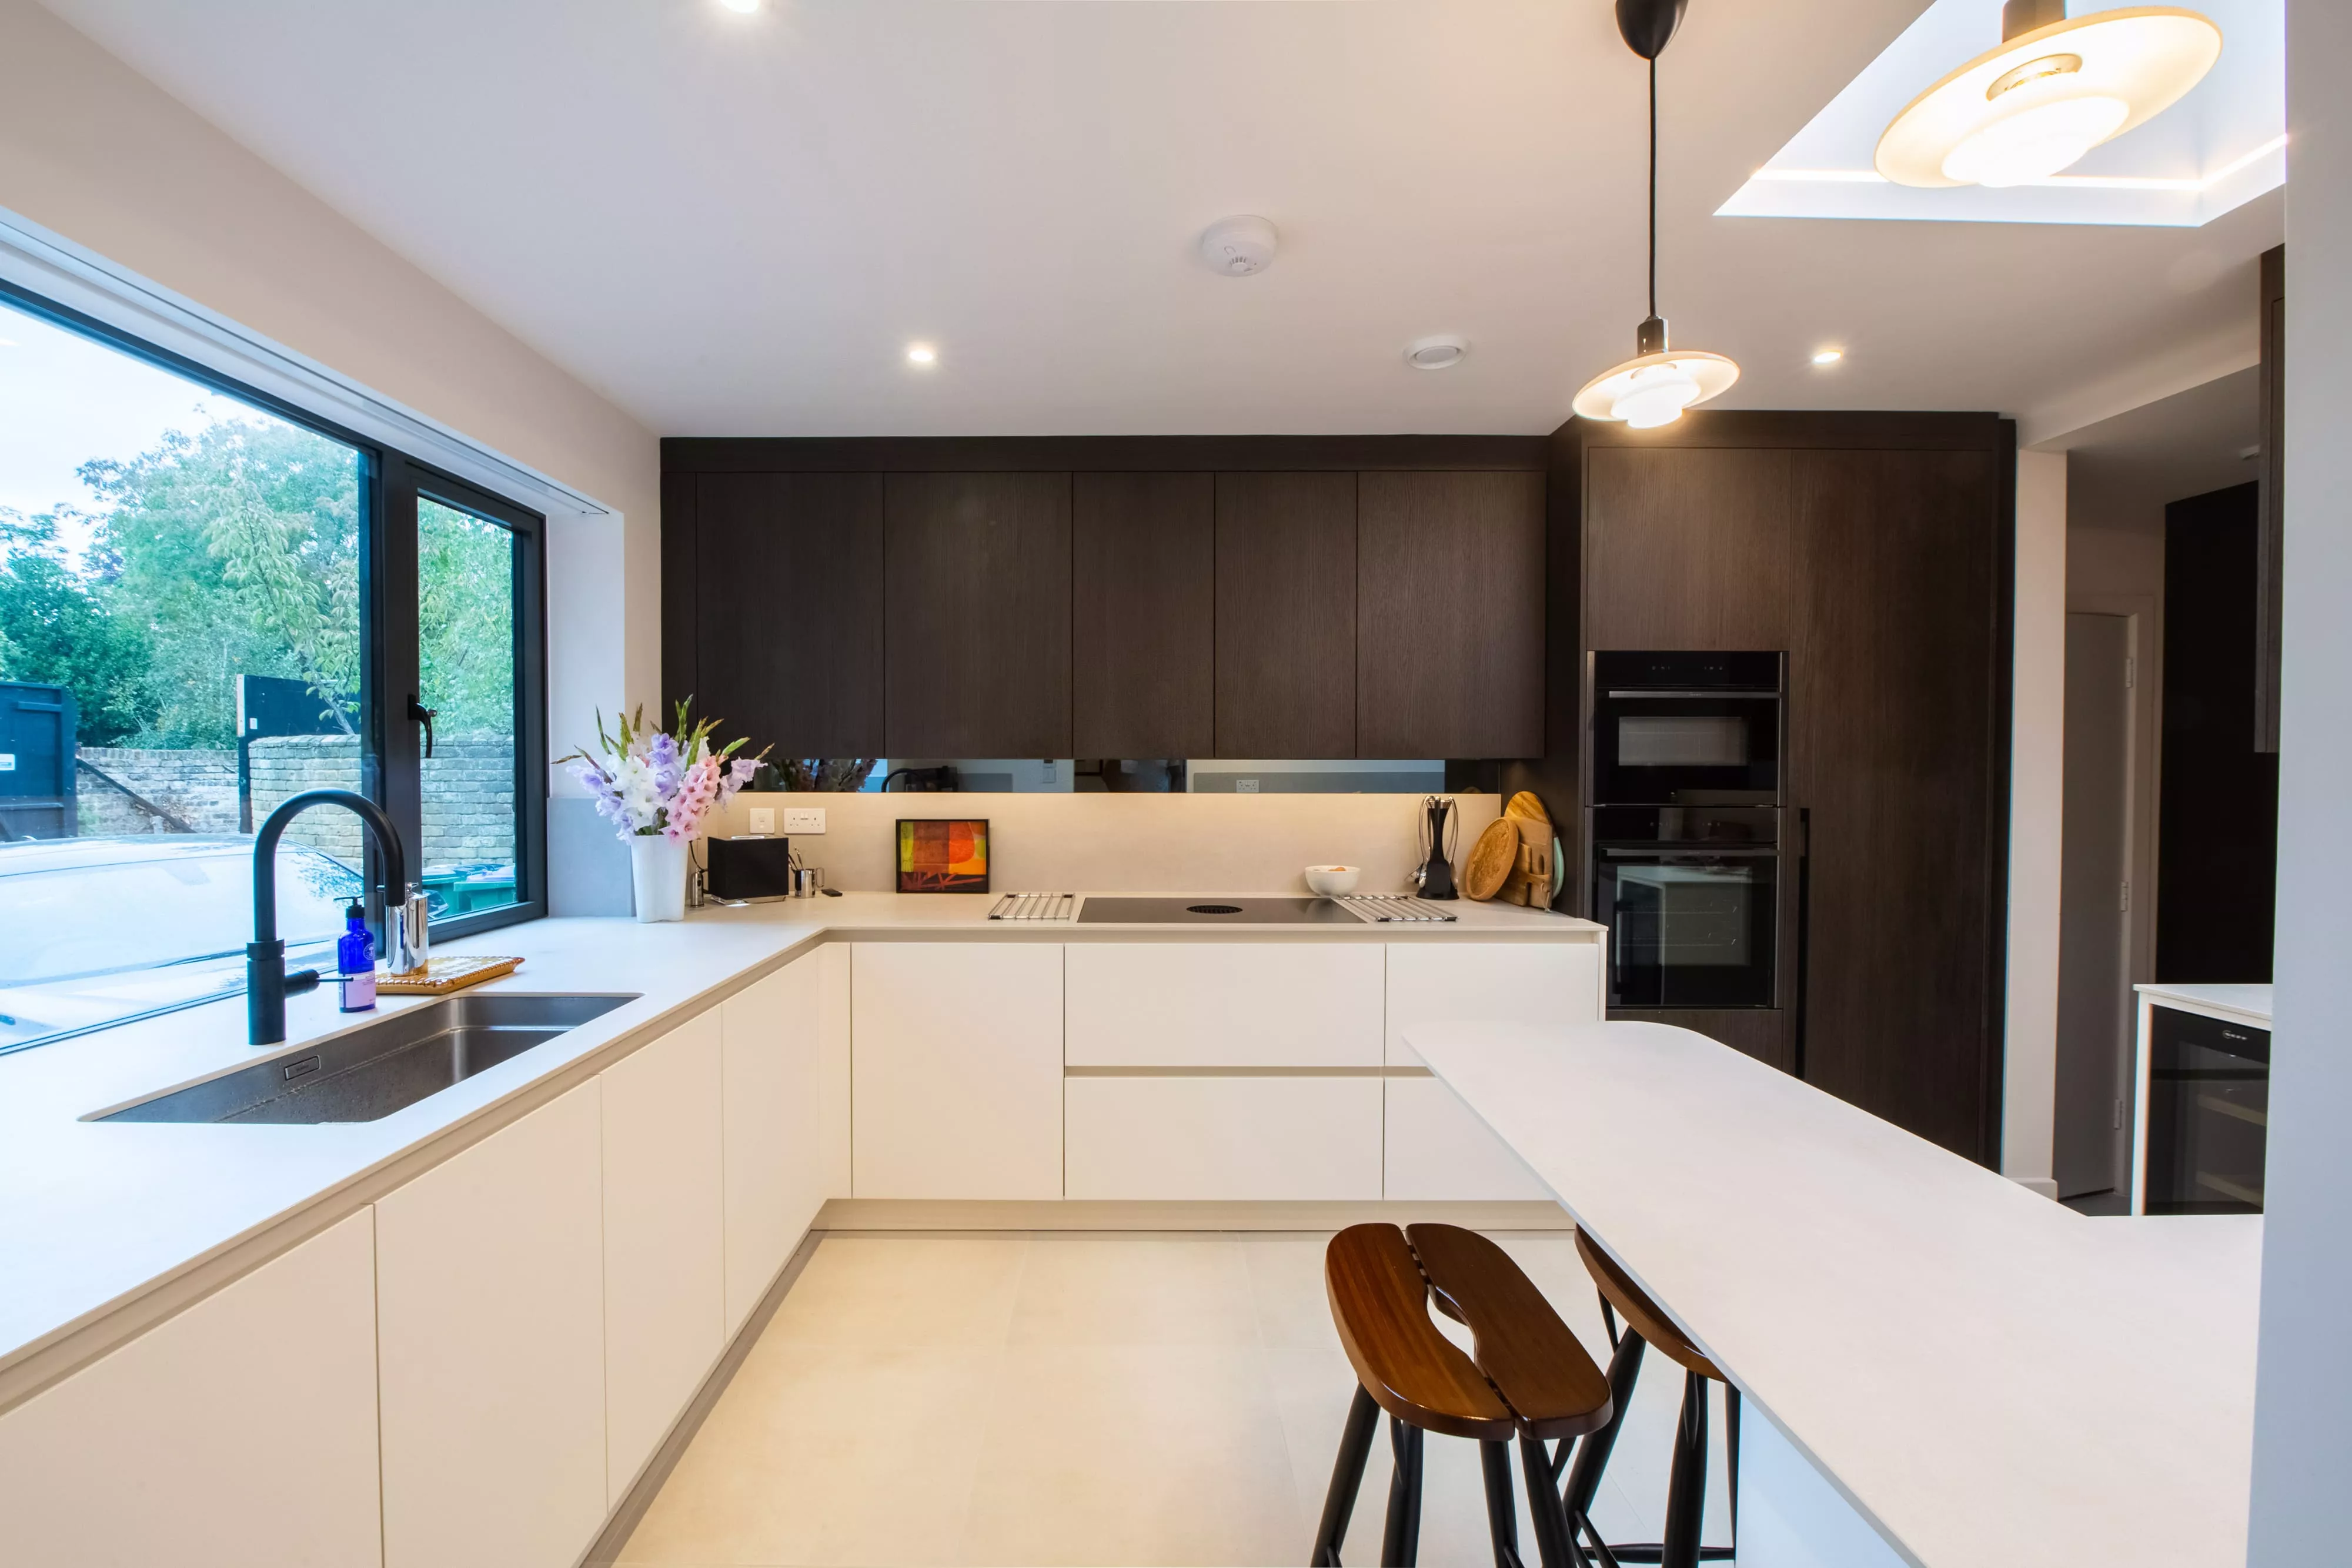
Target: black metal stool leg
[
  {"x": 1502, "y": 1515},
  {"x": 1555, "y": 1542},
  {"x": 1686, "y": 1482},
  {"x": 1731, "y": 1455},
  {"x": 1594, "y": 1449},
  {"x": 1400, "y": 1541},
  {"x": 1346, "y": 1478}
]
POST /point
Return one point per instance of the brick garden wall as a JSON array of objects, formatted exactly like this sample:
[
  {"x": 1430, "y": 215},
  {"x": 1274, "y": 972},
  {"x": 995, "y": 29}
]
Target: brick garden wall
[{"x": 469, "y": 795}]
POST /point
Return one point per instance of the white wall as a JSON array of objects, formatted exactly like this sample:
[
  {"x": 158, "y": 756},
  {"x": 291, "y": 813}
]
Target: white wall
[
  {"x": 107, "y": 162},
  {"x": 2302, "y": 1414},
  {"x": 2036, "y": 811}
]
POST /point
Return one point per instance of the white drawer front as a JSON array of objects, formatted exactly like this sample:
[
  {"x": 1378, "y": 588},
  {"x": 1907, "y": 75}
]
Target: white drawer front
[
  {"x": 1437, "y": 1151},
  {"x": 1488, "y": 982},
  {"x": 1224, "y": 1138},
  {"x": 1224, "y": 1004}
]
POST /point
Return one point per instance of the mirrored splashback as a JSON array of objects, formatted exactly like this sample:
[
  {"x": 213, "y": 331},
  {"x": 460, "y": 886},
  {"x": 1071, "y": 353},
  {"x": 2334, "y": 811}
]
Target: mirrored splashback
[{"x": 1142, "y": 776}]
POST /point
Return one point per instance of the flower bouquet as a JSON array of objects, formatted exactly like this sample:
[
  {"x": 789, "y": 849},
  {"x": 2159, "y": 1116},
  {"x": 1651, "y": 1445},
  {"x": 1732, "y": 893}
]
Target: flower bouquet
[{"x": 657, "y": 788}]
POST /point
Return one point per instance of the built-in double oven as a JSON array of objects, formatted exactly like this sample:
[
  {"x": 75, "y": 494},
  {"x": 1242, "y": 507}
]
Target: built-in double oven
[{"x": 1683, "y": 834}]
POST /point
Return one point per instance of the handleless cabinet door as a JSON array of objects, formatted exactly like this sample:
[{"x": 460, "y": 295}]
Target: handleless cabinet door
[
  {"x": 1449, "y": 615},
  {"x": 958, "y": 1061},
  {"x": 772, "y": 1141},
  {"x": 241, "y": 1433},
  {"x": 1285, "y": 615},
  {"x": 787, "y": 612},
  {"x": 979, "y": 614},
  {"x": 491, "y": 1299},
  {"x": 665, "y": 1248},
  {"x": 1143, "y": 614},
  {"x": 1224, "y": 1004}
]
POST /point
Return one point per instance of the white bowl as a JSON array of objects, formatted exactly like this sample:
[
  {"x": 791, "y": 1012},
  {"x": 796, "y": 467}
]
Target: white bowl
[{"x": 1330, "y": 881}]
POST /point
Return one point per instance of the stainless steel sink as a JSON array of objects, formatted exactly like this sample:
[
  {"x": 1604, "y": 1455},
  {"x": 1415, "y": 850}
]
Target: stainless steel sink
[{"x": 380, "y": 1067}]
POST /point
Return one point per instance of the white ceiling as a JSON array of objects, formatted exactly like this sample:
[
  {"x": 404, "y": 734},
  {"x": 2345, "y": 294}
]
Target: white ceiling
[
  {"x": 2126, "y": 468},
  {"x": 734, "y": 225}
]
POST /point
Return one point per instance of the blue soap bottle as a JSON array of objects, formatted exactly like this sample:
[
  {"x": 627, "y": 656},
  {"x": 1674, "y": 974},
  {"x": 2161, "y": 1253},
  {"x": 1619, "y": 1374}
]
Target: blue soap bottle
[{"x": 355, "y": 961}]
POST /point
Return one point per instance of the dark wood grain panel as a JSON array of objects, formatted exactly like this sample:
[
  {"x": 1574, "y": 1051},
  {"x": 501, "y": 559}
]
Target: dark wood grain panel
[
  {"x": 979, "y": 614},
  {"x": 1098, "y": 453},
  {"x": 788, "y": 637},
  {"x": 680, "y": 572},
  {"x": 1143, "y": 614},
  {"x": 1449, "y": 614},
  {"x": 1555, "y": 775},
  {"x": 1897, "y": 750},
  {"x": 1859, "y": 430},
  {"x": 2271, "y": 559},
  {"x": 1285, "y": 615},
  {"x": 1688, "y": 548}
]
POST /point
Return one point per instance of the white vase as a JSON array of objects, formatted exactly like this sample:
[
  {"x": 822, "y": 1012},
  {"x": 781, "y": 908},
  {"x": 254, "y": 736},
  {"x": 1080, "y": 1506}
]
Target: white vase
[{"x": 658, "y": 869}]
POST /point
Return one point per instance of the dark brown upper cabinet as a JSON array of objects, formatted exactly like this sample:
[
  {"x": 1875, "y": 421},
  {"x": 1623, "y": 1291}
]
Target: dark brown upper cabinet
[
  {"x": 1688, "y": 548},
  {"x": 1285, "y": 615},
  {"x": 979, "y": 614},
  {"x": 1143, "y": 614},
  {"x": 1449, "y": 614},
  {"x": 787, "y": 641}
]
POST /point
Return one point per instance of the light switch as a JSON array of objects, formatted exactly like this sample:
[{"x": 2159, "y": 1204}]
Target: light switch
[
  {"x": 803, "y": 819},
  {"x": 764, "y": 819}
]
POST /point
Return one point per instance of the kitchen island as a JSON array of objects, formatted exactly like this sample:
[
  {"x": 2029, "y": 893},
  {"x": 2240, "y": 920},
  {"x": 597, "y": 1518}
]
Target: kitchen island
[
  {"x": 1976, "y": 1376},
  {"x": 516, "y": 1287}
]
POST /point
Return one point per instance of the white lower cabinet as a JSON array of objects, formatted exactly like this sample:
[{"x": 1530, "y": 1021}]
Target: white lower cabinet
[
  {"x": 1257, "y": 1137},
  {"x": 957, "y": 1053},
  {"x": 1224, "y": 1004},
  {"x": 1437, "y": 1151},
  {"x": 490, "y": 1324},
  {"x": 241, "y": 1432},
  {"x": 832, "y": 962},
  {"x": 771, "y": 1140},
  {"x": 665, "y": 1247}
]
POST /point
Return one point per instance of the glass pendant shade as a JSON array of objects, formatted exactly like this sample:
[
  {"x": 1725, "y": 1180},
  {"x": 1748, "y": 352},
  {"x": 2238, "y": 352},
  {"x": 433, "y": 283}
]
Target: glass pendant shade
[
  {"x": 1651, "y": 390},
  {"x": 2043, "y": 99}
]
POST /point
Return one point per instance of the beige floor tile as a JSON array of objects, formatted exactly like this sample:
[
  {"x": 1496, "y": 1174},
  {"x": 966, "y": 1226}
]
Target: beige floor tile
[
  {"x": 1109, "y": 1290},
  {"x": 1126, "y": 1454},
  {"x": 1294, "y": 1311},
  {"x": 904, "y": 1291},
  {"x": 828, "y": 1454}
]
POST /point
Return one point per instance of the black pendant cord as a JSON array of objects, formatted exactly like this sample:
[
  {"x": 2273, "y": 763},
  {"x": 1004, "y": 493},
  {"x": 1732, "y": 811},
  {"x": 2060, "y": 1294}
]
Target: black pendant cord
[{"x": 1653, "y": 185}]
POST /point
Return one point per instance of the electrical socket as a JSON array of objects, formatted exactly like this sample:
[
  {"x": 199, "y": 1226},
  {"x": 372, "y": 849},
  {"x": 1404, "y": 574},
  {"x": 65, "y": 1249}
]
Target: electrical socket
[
  {"x": 803, "y": 819},
  {"x": 1245, "y": 786},
  {"x": 764, "y": 819}
]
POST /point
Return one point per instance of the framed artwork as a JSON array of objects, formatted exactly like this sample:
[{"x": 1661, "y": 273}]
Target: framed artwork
[{"x": 945, "y": 855}]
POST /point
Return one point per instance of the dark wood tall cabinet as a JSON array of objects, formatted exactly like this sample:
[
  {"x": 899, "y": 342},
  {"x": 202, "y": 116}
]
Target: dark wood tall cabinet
[
  {"x": 1285, "y": 615},
  {"x": 1143, "y": 610},
  {"x": 1876, "y": 551},
  {"x": 979, "y": 625},
  {"x": 1449, "y": 614}
]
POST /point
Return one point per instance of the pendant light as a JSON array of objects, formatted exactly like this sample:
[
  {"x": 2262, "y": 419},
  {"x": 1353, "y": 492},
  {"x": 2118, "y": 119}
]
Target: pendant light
[
  {"x": 1656, "y": 384},
  {"x": 2052, "y": 91}
]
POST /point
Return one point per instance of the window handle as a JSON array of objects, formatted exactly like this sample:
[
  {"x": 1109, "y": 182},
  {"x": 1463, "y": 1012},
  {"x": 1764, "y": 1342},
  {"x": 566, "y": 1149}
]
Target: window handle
[{"x": 419, "y": 714}]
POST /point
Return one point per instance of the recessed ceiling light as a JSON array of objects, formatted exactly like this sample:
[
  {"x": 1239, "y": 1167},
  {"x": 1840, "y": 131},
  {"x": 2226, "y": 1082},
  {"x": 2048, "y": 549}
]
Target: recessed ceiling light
[
  {"x": 922, "y": 354},
  {"x": 2052, "y": 90},
  {"x": 744, "y": 7},
  {"x": 1439, "y": 353},
  {"x": 1829, "y": 356}
]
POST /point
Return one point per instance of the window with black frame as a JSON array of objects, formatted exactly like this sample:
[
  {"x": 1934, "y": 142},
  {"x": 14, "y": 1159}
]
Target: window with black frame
[{"x": 210, "y": 601}]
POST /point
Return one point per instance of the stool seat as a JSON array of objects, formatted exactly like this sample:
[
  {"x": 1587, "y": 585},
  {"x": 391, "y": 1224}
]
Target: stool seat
[
  {"x": 1643, "y": 1315},
  {"x": 1379, "y": 1303},
  {"x": 1533, "y": 1358}
]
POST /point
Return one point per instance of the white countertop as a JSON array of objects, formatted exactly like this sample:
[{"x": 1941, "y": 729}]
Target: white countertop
[
  {"x": 1987, "y": 1377},
  {"x": 95, "y": 1216},
  {"x": 2249, "y": 1002}
]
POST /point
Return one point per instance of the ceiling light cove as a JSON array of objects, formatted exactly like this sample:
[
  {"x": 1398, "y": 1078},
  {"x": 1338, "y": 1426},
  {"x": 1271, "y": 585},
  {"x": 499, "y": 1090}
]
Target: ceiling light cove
[
  {"x": 2052, "y": 91},
  {"x": 922, "y": 354},
  {"x": 1829, "y": 356},
  {"x": 1442, "y": 352}
]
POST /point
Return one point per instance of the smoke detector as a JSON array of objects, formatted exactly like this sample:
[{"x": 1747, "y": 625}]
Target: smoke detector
[
  {"x": 1442, "y": 352},
  {"x": 1239, "y": 246}
]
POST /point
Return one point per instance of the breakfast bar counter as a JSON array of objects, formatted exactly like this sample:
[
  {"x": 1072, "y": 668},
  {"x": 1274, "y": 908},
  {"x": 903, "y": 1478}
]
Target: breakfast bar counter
[{"x": 1980, "y": 1376}]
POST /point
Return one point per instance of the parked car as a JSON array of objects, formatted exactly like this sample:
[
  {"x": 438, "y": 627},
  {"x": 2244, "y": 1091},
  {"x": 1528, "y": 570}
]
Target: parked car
[{"x": 96, "y": 931}]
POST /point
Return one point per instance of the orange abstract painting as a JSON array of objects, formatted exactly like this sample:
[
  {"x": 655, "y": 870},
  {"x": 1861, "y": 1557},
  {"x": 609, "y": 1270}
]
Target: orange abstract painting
[{"x": 948, "y": 855}]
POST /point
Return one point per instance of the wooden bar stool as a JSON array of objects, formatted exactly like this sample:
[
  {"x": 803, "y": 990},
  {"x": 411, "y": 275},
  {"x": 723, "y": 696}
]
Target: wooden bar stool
[
  {"x": 1647, "y": 1325},
  {"x": 1380, "y": 1296}
]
